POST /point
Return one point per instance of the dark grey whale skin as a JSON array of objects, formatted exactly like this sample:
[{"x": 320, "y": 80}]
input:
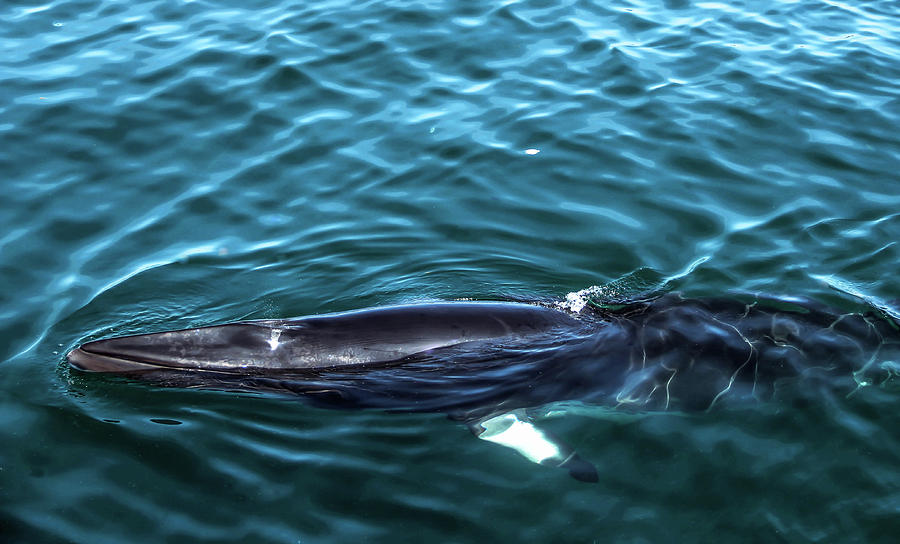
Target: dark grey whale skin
[{"x": 474, "y": 360}]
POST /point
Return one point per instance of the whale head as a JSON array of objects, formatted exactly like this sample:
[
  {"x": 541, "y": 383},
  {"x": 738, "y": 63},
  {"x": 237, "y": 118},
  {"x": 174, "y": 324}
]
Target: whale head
[{"x": 225, "y": 348}]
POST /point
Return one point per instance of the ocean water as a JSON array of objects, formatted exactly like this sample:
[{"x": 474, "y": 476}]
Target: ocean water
[{"x": 169, "y": 164}]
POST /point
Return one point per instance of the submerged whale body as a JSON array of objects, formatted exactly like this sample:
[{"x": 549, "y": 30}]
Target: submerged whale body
[{"x": 494, "y": 365}]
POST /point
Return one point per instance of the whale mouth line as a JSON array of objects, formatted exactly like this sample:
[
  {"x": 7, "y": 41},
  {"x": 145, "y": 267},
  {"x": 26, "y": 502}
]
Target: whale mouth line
[{"x": 83, "y": 358}]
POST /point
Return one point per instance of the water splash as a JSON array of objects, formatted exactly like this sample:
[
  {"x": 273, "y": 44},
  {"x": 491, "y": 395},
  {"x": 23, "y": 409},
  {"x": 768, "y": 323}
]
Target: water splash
[{"x": 848, "y": 287}]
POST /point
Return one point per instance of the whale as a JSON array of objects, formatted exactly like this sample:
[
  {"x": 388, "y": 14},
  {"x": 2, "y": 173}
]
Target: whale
[{"x": 499, "y": 367}]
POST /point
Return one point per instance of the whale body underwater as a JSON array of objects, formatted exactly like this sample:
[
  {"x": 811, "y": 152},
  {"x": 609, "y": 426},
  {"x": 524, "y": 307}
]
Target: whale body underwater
[{"x": 499, "y": 367}]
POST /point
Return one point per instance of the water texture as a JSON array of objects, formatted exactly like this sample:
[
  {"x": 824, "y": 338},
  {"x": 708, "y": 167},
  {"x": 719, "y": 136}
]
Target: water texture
[{"x": 172, "y": 164}]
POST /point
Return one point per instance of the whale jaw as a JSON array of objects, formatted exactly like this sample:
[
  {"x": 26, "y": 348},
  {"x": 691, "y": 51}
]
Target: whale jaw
[{"x": 87, "y": 361}]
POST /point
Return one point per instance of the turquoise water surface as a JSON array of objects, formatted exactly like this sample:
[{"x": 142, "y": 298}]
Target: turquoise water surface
[{"x": 170, "y": 164}]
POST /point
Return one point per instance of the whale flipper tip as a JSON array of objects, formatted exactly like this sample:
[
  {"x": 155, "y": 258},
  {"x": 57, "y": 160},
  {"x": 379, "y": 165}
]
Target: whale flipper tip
[{"x": 581, "y": 470}]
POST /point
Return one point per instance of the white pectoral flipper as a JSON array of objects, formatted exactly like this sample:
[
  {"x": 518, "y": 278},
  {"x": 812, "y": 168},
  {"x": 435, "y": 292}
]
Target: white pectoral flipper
[{"x": 515, "y": 430}]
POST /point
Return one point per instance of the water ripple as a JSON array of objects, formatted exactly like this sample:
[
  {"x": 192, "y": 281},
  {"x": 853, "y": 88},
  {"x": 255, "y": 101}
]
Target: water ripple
[{"x": 176, "y": 164}]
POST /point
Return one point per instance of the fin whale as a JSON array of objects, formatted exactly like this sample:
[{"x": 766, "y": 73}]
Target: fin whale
[{"x": 491, "y": 364}]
